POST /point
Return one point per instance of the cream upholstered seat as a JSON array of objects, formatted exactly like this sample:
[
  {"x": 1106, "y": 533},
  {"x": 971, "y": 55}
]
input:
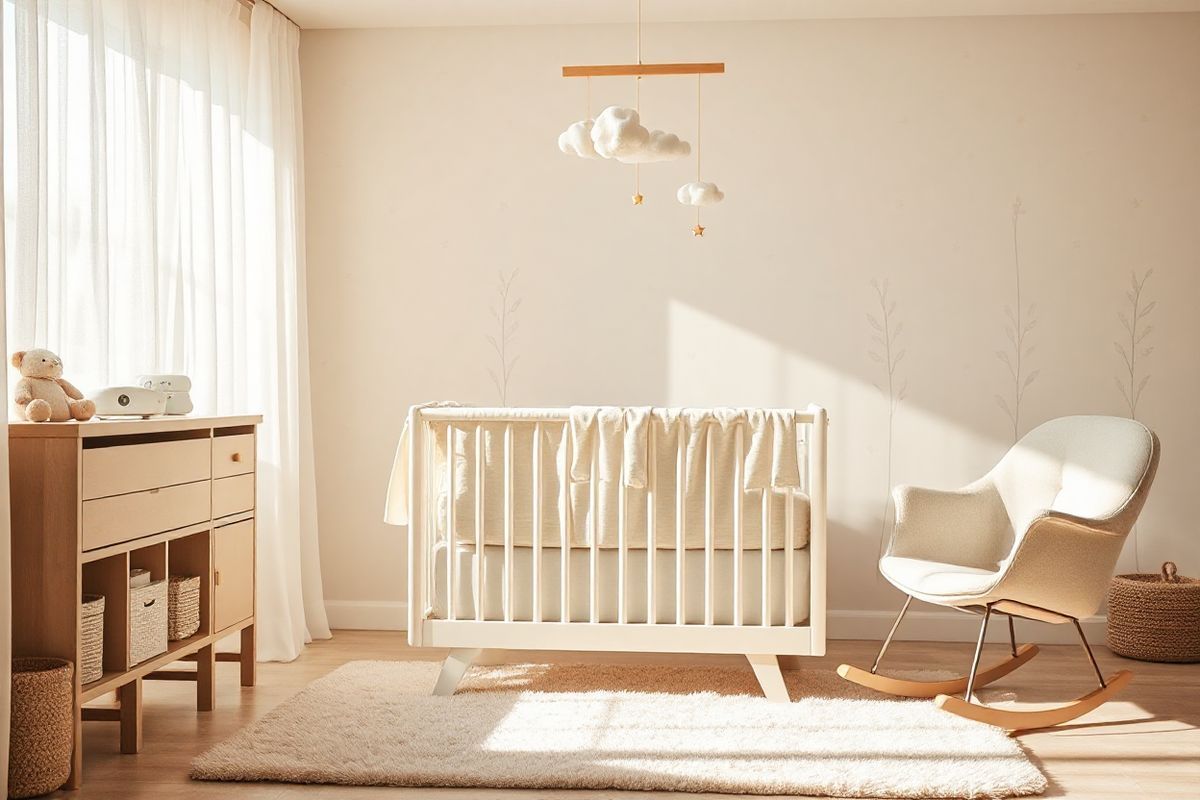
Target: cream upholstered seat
[
  {"x": 1037, "y": 537},
  {"x": 1043, "y": 528},
  {"x": 937, "y": 579}
]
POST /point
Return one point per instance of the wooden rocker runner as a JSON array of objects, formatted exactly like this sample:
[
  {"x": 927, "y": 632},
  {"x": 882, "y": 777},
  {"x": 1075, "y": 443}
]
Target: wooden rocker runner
[{"x": 1036, "y": 538}]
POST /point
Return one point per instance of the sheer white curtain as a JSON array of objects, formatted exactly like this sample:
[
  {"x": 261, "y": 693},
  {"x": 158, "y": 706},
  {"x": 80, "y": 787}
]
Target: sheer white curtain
[
  {"x": 277, "y": 299},
  {"x": 5, "y": 546},
  {"x": 153, "y": 202}
]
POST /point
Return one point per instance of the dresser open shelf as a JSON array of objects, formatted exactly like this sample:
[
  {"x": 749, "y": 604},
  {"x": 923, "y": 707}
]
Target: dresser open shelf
[{"x": 92, "y": 500}]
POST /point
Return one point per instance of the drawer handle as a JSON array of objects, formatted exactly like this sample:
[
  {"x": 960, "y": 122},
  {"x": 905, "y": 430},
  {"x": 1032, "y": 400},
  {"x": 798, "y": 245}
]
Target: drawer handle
[
  {"x": 216, "y": 577},
  {"x": 155, "y": 490},
  {"x": 235, "y": 457},
  {"x": 148, "y": 603}
]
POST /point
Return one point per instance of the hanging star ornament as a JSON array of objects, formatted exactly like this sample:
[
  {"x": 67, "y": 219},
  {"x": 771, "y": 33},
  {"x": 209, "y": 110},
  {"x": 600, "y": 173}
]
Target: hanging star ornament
[
  {"x": 637, "y": 199},
  {"x": 698, "y": 230}
]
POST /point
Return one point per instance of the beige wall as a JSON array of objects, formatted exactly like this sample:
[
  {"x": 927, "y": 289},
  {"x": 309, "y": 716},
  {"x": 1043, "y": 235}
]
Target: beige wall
[{"x": 850, "y": 152}]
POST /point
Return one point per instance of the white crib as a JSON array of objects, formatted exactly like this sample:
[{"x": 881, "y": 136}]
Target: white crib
[{"x": 497, "y": 553}]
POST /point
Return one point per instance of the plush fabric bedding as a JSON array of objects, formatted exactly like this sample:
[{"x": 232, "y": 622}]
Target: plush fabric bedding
[
  {"x": 661, "y": 478},
  {"x": 493, "y": 565}
]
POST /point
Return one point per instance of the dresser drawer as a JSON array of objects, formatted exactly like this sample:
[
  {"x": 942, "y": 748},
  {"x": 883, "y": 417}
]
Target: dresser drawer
[
  {"x": 232, "y": 455},
  {"x": 134, "y": 467},
  {"x": 231, "y": 495},
  {"x": 108, "y": 520}
]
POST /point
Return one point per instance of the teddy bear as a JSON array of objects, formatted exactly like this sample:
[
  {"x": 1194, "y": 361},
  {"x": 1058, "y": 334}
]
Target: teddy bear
[{"x": 42, "y": 394}]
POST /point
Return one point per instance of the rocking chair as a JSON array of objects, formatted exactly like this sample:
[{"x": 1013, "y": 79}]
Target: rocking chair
[{"x": 1037, "y": 538}]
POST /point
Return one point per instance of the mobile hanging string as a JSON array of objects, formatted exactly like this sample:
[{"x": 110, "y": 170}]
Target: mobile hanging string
[
  {"x": 697, "y": 127},
  {"x": 637, "y": 106}
]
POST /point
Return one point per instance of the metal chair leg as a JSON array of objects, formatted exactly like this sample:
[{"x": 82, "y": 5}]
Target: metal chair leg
[
  {"x": 1088, "y": 649},
  {"x": 987, "y": 614},
  {"x": 1012, "y": 636},
  {"x": 891, "y": 633}
]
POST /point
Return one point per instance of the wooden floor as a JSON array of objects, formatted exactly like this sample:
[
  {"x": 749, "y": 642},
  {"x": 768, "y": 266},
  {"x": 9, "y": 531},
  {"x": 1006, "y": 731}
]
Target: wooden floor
[{"x": 1146, "y": 744}]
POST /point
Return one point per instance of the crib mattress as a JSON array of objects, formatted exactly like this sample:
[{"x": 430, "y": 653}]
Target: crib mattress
[{"x": 607, "y": 561}]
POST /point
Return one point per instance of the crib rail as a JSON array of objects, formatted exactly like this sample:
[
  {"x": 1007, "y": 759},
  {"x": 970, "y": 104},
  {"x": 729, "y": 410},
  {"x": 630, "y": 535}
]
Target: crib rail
[{"x": 467, "y": 627}]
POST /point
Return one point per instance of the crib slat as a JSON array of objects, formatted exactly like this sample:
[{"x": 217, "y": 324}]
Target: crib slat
[
  {"x": 802, "y": 445},
  {"x": 451, "y": 534},
  {"x": 622, "y": 547},
  {"x": 508, "y": 522},
  {"x": 651, "y": 525},
  {"x": 428, "y": 451},
  {"x": 593, "y": 537},
  {"x": 680, "y": 527},
  {"x": 738, "y": 523},
  {"x": 479, "y": 595},
  {"x": 818, "y": 476},
  {"x": 419, "y": 546},
  {"x": 789, "y": 561},
  {"x": 802, "y": 435},
  {"x": 709, "y": 514},
  {"x": 765, "y": 557},
  {"x": 565, "y": 522},
  {"x": 537, "y": 521}
]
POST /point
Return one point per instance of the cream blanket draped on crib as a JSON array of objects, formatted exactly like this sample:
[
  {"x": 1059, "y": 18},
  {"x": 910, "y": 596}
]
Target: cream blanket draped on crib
[{"x": 611, "y": 446}]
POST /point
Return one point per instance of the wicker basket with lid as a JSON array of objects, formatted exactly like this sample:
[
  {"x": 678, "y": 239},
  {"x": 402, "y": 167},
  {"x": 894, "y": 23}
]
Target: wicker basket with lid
[{"x": 1155, "y": 617}]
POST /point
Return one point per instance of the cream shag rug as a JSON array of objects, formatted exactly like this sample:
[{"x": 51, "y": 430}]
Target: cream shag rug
[{"x": 690, "y": 729}]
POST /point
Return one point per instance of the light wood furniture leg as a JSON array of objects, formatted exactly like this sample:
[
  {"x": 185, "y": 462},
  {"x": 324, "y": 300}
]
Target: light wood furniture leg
[
  {"x": 770, "y": 678},
  {"x": 453, "y": 669},
  {"x": 206, "y": 678},
  {"x": 76, "y": 777},
  {"x": 248, "y": 656},
  {"x": 131, "y": 716}
]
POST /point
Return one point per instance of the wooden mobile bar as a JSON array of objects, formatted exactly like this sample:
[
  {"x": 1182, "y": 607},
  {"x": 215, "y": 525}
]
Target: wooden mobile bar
[{"x": 609, "y": 70}]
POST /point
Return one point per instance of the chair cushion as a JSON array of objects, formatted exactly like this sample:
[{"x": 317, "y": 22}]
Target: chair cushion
[{"x": 921, "y": 577}]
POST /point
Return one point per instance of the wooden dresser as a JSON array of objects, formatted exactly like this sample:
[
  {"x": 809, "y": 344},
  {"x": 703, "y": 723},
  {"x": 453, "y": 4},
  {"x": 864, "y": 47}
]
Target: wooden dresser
[{"x": 93, "y": 500}]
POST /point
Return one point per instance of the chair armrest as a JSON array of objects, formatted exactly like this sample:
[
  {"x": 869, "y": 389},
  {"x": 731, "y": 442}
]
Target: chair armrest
[
  {"x": 965, "y": 526},
  {"x": 1063, "y": 563}
]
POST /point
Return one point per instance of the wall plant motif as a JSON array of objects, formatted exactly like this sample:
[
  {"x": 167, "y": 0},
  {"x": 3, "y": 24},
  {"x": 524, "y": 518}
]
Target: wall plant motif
[
  {"x": 1021, "y": 320},
  {"x": 886, "y": 351},
  {"x": 504, "y": 312},
  {"x": 1133, "y": 346},
  {"x": 1130, "y": 347}
]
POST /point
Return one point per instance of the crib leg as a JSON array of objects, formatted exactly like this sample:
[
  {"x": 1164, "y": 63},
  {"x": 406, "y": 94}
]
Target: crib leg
[
  {"x": 770, "y": 678},
  {"x": 453, "y": 668}
]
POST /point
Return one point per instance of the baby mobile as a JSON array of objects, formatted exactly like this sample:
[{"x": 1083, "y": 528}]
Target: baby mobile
[{"x": 617, "y": 132}]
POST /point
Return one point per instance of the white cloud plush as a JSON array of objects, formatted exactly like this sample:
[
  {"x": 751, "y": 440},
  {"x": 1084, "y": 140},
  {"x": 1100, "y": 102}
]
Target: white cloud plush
[
  {"x": 619, "y": 133},
  {"x": 700, "y": 193},
  {"x": 660, "y": 146},
  {"x": 576, "y": 140}
]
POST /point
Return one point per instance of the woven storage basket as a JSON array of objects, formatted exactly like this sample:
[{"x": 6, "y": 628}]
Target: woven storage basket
[
  {"x": 147, "y": 621},
  {"x": 1155, "y": 617},
  {"x": 43, "y": 724},
  {"x": 183, "y": 607},
  {"x": 91, "y": 638}
]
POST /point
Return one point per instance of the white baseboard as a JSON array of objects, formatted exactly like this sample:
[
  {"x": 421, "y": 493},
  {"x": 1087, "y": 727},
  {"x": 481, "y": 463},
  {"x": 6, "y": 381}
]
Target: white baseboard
[
  {"x": 367, "y": 615},
  {"x": 919, "y": 626}
]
